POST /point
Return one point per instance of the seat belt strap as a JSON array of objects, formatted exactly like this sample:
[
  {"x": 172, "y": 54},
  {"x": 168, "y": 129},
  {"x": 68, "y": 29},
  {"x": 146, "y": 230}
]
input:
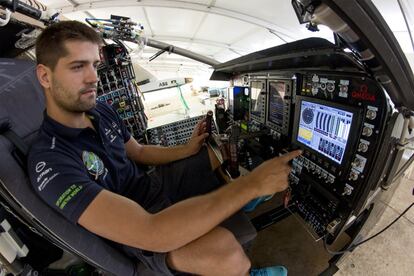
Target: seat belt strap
[{"x": 16, "y": 140}]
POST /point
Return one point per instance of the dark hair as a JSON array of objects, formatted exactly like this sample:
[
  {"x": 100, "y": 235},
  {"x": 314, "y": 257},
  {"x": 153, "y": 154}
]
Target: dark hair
[{"x": 50, "y": 45}]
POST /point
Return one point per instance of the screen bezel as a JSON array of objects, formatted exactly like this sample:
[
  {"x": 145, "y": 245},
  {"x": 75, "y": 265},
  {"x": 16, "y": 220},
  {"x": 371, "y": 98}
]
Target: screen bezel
[{"x": 352, "y": 138}]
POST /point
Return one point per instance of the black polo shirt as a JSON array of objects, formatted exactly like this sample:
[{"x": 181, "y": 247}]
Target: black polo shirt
[{"x": 68, "y": 167}]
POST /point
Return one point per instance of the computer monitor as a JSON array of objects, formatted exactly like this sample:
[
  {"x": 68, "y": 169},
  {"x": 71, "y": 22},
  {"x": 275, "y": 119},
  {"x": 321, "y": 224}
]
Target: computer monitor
[
  {"x": 279, "y": 96},
  {"x": 258, "y": 100},
  {"x": 238, "y": 99},
  {"x": 277, "y": 91},
  {"x": 324, "y": 129}
]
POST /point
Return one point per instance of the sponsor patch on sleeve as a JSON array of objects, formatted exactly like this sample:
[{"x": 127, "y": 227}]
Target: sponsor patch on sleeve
[{"x": 67, "y": 195}]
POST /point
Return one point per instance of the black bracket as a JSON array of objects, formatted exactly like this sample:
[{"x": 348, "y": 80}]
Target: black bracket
[
  {"x": 170, "y": 49},
  {"x": 271, "y": 217}
]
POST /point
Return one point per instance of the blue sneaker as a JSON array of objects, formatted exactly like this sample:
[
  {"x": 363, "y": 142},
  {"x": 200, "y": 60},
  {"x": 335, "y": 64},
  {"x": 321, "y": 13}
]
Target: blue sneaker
[
  {"x": 249, "y": 207},
  {"x": 269, "y": 271}
]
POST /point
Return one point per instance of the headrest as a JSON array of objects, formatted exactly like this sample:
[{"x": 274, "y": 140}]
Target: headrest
[{"x": 21, "y": 96}]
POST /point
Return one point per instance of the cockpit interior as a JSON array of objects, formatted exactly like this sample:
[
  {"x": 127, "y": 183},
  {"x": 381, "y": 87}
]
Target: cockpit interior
[{"x": 347, "y": 103}]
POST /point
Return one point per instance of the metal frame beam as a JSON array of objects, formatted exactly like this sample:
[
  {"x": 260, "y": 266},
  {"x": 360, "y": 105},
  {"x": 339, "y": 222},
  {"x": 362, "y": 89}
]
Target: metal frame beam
[
  {"x": 196, "y": 41},
  {"x": 180, "y": 51}
]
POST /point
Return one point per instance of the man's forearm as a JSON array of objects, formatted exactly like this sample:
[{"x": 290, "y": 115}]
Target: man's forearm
[
  {"x": 188, "y": 220},
  {"x": 157, "y": 155},
  {"x": 122, "y": 220}
]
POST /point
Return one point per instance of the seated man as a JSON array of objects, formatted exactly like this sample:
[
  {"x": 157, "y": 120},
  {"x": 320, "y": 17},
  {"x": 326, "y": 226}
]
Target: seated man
[{"x": 83, "y": 164}]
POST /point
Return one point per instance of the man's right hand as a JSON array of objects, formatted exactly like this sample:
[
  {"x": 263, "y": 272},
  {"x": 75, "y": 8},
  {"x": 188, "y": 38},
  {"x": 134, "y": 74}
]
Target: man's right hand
[
  {"x": 122, "y": 220},
  {"x": 272, "y": 175}
]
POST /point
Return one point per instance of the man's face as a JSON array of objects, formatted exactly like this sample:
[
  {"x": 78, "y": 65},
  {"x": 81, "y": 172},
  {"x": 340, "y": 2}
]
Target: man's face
[{"x": 74, "y": 79}]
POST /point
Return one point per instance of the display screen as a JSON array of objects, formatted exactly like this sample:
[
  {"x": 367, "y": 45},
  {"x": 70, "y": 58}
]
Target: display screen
[
  {"x": 239, "y": 102},
  {"x": 277, "y": 91},
  {"x": 324, "y": 129},
  {"x": 256, "y": 97}
]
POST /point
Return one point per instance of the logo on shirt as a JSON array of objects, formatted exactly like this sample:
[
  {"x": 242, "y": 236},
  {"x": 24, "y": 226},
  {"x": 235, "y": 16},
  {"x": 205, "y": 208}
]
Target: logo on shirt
[
  {"x": 67, "y": 196},
  {"x": 46, "y": 181},
  {"x": 111, "y": 133},
  {"x": 40, "y": 166},
  {"x": 53, "y": 145},
  {"x": 93, "y": 163}
]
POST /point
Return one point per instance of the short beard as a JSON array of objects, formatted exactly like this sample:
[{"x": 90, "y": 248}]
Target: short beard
[{"x": 63, "y": 98}]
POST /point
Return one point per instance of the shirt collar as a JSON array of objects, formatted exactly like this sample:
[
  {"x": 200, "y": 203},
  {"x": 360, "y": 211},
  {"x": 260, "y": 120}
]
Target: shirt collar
[{"x": 69, "y": 132}]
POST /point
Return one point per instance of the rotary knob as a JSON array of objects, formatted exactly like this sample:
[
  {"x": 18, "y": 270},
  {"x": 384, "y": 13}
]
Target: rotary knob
[
  {"x": 330, "y": 87},
  {"x": 371, "y": 114}
]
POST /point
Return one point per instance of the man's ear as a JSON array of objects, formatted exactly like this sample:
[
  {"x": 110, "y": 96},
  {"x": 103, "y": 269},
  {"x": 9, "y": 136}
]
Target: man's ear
[{"x": 44, "y": 75}]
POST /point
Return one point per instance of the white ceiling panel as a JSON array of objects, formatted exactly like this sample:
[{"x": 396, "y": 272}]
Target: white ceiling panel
[
  {"x": 223, "y": 29},
  {"x": 405, "y": 41},
  {"x": 277, "y": 12},
  {"x": 391, "y": 12},
  {"x": 135, "y": 13},
  {"x": 82, "y": 1},
  {"x": 257, "y": 40},
  {"x": 205, "y": 49},
  {"x": 203, "y": 2},
  {"x": 51, "y": 3},
  {"x": 79, "y": 16},
  {"x": 225, "y": 55},
  {"x": 173, "y": 22}
]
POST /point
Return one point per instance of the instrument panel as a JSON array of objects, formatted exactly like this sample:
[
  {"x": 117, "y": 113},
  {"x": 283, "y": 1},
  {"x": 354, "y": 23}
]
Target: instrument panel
[{"x": 338, "y": 121}]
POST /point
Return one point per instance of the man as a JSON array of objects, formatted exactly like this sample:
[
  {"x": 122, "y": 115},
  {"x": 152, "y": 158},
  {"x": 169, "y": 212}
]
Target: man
[{"x": 83, "y": 165}]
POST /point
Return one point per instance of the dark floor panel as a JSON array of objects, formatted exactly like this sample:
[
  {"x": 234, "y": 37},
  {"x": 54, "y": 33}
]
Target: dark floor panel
[{"x": 287, "y": 243}]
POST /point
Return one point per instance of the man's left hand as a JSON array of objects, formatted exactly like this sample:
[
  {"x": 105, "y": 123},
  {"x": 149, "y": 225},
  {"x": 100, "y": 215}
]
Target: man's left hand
[{"x": 197, "y": 138}]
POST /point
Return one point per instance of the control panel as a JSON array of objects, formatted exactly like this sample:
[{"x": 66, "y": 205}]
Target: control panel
[
  {"x": 116, "y": 86},
  {"x": 176, "y": 133},
  {"x": 338, "y": 121}
]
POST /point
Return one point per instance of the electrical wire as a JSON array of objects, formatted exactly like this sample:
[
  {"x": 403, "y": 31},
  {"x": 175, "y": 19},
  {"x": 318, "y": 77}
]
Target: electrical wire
[
  {"x": 364, "y": 241},
  {"x": 183, "y": 101}
]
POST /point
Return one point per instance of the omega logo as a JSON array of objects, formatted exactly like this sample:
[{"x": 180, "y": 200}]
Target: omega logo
[
  {"x": 40, "y": 166},
  {"x": 363, "y": 94}
]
